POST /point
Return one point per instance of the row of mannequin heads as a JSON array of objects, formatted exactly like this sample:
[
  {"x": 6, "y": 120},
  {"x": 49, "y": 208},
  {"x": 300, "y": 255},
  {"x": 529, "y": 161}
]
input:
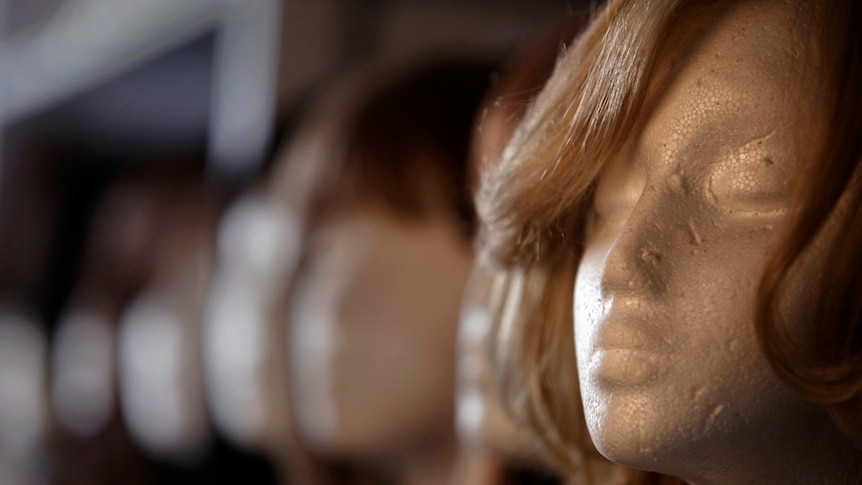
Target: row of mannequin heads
[
  {"x": 328, "y": 317},
  {"x": 327, "y": 342}
]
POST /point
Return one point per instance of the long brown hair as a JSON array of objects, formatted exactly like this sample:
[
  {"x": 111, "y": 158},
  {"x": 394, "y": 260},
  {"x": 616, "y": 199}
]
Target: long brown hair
[{"x": 532, "y": 211}]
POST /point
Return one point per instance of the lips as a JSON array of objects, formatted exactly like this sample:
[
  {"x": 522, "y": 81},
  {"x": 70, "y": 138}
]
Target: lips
[
  {"x": 618, "y": 368},
  {"x": 627, "y": 352},
  {"x": 626, "y": 334}
]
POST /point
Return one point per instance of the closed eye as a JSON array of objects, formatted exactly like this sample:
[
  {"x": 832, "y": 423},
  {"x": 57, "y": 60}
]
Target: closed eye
[{"x": 757, "y": 188}]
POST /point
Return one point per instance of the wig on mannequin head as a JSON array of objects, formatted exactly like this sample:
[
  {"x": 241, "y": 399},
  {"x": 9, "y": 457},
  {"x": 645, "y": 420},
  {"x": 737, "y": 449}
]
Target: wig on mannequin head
[
  {"x": 383, "y": 153},
  {"x": 533, "y": 211}
]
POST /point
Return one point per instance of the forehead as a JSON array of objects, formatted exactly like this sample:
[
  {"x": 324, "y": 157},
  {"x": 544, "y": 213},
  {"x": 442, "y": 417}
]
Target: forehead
[{"x": 734, "y": 82}]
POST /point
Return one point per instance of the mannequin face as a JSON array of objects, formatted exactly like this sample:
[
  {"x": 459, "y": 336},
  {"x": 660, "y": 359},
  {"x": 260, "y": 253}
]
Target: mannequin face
[
  {"x": 685, "y": 216},
  {"x": 372, "y": 333}
]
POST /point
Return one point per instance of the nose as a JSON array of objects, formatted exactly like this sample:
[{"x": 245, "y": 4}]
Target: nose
[{"x": 635, "y": 261}]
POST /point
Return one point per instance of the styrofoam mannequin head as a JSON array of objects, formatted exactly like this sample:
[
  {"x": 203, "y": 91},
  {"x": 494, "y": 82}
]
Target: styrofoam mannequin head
[
  {"x": 372, "y": 327},
  {"x": 23, "y": 422},
  {"x": 378, "y": 178},
  {"x": 672, "y": 375},
  {"x": 83, "y": 367},
  {"x": 159, "y": 351},
  {"x": 160, "y": 377},
  {"x": 243, "y": 335},
  {"x": 119, "y": 254}
]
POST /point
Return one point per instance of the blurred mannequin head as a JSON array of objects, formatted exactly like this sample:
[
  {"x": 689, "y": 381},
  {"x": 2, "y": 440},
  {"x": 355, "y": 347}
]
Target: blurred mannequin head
[
  {"x": 257, "y": 248},
  {"x": 159, "y": 355},
  {"x": 378, "y": 178}
]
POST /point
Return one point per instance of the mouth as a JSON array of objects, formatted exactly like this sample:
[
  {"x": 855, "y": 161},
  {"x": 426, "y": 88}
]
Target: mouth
[
  {"x": 626, "y": 355},
  {"x": 625, "y": 334},
  {"x": 624, "y": 368}
]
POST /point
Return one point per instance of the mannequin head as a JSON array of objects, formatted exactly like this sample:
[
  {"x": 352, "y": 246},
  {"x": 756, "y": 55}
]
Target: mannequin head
[
  {"x": 483, "y": 420},
  {"x": 378, "y": 179},
  {"x": 158, "y": 351},
  {"x": 697, "y": 164},
  {"x": 118, "y": 254},
  {"x": 124, "y": 246},
  {"x": 23, "y": 420},
  {"x": 246, "y": 377}
]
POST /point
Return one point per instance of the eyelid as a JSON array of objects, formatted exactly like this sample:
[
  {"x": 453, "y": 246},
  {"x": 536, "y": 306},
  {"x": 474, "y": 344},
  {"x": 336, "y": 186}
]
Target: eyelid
[{"x": 762, "y": 196}]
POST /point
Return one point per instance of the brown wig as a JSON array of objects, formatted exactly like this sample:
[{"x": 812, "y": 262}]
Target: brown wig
[
  {"x": 396, "y": 138},
  {"x": 532, "y": 211}
]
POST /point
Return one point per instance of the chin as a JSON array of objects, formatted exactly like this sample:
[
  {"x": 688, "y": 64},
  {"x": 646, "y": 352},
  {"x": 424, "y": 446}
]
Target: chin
[{"x": 633, "y": 430}]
